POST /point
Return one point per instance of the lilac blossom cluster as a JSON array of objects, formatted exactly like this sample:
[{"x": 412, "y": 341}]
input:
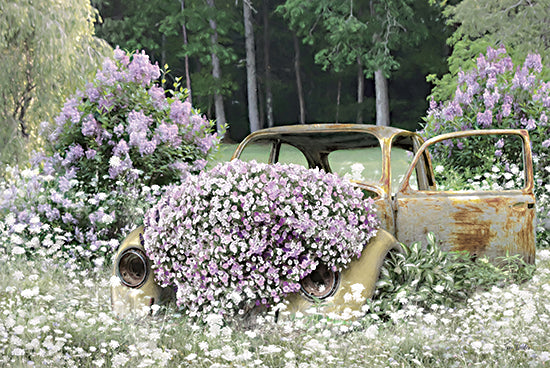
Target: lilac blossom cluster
[
  {"x": 245, "y": 234},
  {"x": 497, "y": 94},
  {"x": 114, "y": 148}
]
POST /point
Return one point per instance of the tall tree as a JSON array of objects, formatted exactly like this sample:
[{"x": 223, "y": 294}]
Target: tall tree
[
  {"x": 186, "y": 55},
  {"x": 362, "y": 32},
  {"x": 297, "y": 71},
  {"x": 216, "y": 74},
  {"x": 267, "y": 66},
  {"x": 251, "y": 80},
  {"x": 48, "y": 49},
  {"x": 193, "y": 34}
]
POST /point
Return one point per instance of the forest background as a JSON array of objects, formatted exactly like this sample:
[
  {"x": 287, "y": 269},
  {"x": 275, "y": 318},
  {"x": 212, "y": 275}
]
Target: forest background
[{"x": 255, "y": 64}]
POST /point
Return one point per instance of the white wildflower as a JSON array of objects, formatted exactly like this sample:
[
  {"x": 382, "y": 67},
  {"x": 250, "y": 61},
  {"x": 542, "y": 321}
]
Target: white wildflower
[
  {"x": 371, "y": 332},
  {"x": 439, "y": 288},
  {"x": 19, "y": 228},
  {"x": 18, "y": 352},
  {"x": 29, "y": 293},
  {"x": 120, "y": 360},
  {"x": 107, "y": 219},
  {"x": 114, "y": 161}
]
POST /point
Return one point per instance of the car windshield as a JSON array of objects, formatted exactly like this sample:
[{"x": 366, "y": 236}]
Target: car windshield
[
  {"x": 360, "y": 164},
  {"x": 350, "y": 154}
]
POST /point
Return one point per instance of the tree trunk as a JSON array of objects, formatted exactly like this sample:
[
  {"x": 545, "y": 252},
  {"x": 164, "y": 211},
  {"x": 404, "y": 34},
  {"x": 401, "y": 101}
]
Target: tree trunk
[
  {"x": 299, "y": 79},
  {"x": 360, "y": 91},
  {"x": 187, "y": 75},
  {"x": 217, "y": 74},
  {"x": 338, "y": 92},
  {"x": 267, "y": 66},
  {"x": 251, "y": 83},
  {"x": 382, "y": 99}
]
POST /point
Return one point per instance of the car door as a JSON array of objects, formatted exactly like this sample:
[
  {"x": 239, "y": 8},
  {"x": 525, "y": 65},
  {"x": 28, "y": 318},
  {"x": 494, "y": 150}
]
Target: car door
[{"x": 494, "y": 217}]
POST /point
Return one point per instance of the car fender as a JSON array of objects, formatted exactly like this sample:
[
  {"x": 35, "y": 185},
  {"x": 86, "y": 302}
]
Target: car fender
[
  {"x": 357, "y": 283},
  {"x": 136, "y": 301}
]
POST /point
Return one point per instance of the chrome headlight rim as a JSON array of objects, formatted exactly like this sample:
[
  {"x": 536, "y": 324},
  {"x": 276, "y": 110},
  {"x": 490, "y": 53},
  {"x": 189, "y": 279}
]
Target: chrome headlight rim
[
  {"x": 132, "y": 267},
  {"x": 323, "y": 276}
]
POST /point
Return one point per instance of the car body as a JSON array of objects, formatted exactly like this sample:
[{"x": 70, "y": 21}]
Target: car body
[{"x": 401, "y": 180}]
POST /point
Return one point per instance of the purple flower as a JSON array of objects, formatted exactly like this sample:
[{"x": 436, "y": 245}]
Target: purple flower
[
  {"x": 141, "y": 70},
  {"x": 69, "y": 113},
  {"x": 90, "y": 153},
  {"x": 121, "y": 56},
  {"x": 452, "y": 110},
  {"x": 121, "y": 149},
  {"x": 490, "y": 98},
  {"x": 180, "y": 111},
  {"x": 89, "y": 126},
  {"x": 543, "y": 119},
  {"x": 529, "y": 124},
  {"x": 168, "y": 133},
  {"x": 138, "y": 124},
  {"x": 92, "y": 92},
  {"x": 256, "y": 242},
  {"x": 485, "y": 119},
  {"x": 533, "y": 61},
  {"x": 158, "y": 97},
  {"x": 74, "y": 153}
]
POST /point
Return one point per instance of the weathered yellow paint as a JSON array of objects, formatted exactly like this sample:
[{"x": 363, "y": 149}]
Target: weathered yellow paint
[
  {"x": 128, "y": 301},
  {"x": 362, "y": 273}
]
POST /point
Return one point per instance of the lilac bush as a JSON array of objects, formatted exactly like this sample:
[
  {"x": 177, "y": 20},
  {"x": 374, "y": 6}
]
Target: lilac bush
[
  {"x": 498, "y": 94},
  {"x": 249, "y": 232},
  {"x": 112, "y": 150}
]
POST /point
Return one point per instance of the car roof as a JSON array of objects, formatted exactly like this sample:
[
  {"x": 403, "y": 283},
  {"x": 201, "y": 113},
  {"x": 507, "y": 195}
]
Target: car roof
[{"x": 328, "y": 137}]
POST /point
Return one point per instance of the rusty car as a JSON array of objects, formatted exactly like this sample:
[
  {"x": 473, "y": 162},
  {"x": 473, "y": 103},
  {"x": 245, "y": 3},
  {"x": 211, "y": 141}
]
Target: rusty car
[{"x": 393, "y": 167}]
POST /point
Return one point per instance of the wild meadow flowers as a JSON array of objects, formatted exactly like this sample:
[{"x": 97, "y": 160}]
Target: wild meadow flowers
[
  {"x": 245, "y": 232},
  {"x": 59, "y": 315},
  {"x": 113, "y": 149},
  {"x": 497, "y": 94}
]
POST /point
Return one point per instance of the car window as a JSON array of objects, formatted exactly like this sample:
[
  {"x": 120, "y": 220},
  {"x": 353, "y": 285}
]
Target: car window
[
  {"x": 400, "y": 162},
  {"x": 291, "y": 155},
  {"x": 258, "y": 151},
  {"x": 361, "y": 164},
  {"x": 479, "y": 163}
]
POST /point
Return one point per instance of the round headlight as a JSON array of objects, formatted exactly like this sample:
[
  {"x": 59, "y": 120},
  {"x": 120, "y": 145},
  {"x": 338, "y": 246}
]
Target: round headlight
[
  {"x": 321, "y": 283},
  {"x": 132, "y": 267}
]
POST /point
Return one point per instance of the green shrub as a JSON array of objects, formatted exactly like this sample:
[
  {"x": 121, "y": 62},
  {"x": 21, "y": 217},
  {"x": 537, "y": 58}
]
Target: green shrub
[
  {"x": 497, "y": 94},
  {"x": 426, "y": 276},
  {"x": 114, "y": 147}
]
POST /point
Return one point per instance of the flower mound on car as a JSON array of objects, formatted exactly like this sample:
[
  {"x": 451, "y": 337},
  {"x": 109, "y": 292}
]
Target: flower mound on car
[{"x": 246, "y": 233}]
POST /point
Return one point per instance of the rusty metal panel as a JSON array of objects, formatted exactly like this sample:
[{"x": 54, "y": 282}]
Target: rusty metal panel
[{"x": 491, "y": 224}]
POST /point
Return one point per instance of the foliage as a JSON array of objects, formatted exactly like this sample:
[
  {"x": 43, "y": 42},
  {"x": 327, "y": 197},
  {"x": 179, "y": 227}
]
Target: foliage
[
  {"x": 48, "y": 49},
  {"x": 498, "y": 94},
  {"x": 249, "y": 232},
  {"x": 156, "y": 26},
  {"x": 425, "y": 276},
  {"x": 115, "y": 145},
  {"x": 347, "y": 32},
  {"x": 521, "y": 26}
]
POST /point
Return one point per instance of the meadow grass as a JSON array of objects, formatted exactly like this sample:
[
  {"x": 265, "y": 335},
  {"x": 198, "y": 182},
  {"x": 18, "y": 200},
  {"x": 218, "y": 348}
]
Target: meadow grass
[{"x": 59, "y": 315}]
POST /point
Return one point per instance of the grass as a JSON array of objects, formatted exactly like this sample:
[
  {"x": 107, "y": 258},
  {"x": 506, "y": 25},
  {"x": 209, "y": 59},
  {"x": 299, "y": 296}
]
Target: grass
[{"x": 59, "y": 315}]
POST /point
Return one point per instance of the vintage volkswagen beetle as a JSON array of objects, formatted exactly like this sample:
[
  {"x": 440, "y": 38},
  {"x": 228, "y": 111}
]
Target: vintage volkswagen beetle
[{"x": 484, "y": 222}]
